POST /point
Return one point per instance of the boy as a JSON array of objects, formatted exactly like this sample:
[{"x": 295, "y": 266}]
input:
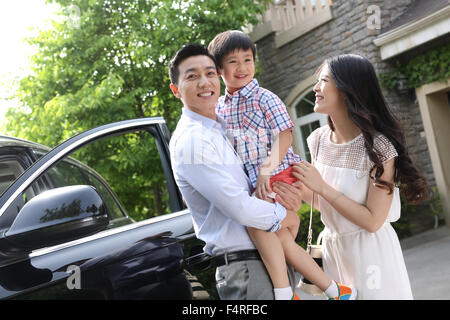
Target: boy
[{"x": 261, "y": 131}]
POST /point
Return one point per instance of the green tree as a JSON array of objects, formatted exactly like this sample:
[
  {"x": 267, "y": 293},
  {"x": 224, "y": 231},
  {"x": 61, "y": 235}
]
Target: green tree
[{"x": 107, "y": 61}]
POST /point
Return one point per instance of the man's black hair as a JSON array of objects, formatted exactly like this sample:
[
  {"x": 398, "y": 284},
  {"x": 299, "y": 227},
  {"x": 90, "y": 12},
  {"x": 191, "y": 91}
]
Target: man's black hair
[
  {"x": 229, "y": 41},
  {"x": 187, "y": 51}
]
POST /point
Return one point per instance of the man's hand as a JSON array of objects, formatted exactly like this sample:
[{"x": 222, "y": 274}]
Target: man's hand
[{"x": 289, "y": 196}]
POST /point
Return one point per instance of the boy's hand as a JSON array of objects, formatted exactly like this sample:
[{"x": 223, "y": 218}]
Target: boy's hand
[{"x": 263, "y": 186}]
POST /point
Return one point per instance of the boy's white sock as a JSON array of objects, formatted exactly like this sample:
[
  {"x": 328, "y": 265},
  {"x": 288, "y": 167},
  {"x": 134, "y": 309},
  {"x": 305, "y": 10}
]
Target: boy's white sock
[
  {"x": 283, "y": 293},
  {"x": 333, "y": 290}
]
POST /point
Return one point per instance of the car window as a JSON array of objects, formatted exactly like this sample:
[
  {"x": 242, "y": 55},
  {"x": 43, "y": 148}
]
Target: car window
[
  {"x": 131, "y": 165},
  {"x": 65, "y": 174},
  {"x": 9, "y": 171},
  {"x": 110, "y": 199}
]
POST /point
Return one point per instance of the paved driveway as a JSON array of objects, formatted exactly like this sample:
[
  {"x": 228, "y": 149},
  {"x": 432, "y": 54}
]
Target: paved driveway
[{"x": 427, "y": 258}]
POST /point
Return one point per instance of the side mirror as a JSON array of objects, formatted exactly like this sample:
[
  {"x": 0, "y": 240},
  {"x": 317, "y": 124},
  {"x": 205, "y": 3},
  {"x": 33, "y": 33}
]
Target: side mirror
[{"x": 57, "y": 216}]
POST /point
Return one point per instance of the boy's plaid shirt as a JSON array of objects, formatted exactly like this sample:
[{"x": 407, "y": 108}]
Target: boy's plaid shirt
[{"x": 255, "y": 116}]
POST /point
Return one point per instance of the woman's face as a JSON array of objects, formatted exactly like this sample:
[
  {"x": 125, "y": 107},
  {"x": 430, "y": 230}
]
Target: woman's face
[{"x": 328, "y": 97}]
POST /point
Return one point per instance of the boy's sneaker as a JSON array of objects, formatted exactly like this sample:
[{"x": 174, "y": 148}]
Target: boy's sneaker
[{"x": 345, "y": 293}]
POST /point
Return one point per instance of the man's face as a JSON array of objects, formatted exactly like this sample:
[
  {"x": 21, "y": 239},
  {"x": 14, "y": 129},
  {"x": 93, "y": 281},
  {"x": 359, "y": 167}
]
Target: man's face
[{"x": 198, "y": 85}]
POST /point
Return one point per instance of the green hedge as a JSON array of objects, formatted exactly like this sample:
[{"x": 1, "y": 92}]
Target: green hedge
[{"x": 317, "y": 225}]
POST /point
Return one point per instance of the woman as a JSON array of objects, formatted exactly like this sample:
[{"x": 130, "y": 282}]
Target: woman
[{"x": 359, "y": 159}]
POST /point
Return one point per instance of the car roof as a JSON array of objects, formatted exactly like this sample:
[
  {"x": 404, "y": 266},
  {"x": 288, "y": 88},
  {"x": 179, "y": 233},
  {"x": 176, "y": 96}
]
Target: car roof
[{"x": 9, "y": 141}]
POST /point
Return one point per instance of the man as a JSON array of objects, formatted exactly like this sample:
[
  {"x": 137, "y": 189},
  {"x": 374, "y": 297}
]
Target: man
[{"x": 214, "y": 185}]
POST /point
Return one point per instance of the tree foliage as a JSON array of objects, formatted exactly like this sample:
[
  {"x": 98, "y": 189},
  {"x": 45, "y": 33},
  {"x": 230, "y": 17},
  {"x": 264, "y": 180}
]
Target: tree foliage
[{"x": 111, "y": 65}]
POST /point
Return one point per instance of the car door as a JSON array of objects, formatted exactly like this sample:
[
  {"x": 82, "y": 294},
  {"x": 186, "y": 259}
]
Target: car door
[{"x": 117, "y": 259}]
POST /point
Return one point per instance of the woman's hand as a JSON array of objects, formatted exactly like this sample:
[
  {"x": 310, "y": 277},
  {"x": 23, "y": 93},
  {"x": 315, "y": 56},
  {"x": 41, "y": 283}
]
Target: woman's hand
[
  {"x": 289, "y": 196},
  {"x": 262, "y": 187},
  {"x": 310, "y": 176}
]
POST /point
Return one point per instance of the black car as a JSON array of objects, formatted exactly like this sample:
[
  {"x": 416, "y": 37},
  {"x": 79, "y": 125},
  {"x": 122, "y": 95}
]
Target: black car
[{"x": 64, "y": 234}]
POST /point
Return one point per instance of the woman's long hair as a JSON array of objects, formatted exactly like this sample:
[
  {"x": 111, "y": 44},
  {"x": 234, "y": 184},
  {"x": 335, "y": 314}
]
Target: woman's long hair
[{"x": 355, "y": 76}]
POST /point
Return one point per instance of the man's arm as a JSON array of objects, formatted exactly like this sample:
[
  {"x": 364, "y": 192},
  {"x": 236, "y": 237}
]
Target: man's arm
[
  {"x": 211, "y": 177},
  {"x": 219, "y": 188}
]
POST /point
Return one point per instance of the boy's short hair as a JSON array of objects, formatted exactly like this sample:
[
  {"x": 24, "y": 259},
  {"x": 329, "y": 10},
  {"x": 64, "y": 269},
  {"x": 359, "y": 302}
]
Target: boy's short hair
[
  {"x": 187, "y": 51},
  {"x": 230, "y": 41}
]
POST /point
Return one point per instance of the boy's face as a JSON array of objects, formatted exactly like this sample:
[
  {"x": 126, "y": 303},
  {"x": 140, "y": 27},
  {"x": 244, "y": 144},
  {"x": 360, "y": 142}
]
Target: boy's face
[
  {"x": 238, "y": 69},
  {"x": 198, "y": 85}
]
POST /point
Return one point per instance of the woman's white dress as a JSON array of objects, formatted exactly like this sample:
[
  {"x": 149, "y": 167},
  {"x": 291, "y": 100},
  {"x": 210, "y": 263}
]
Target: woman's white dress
[{"x": 372, "y": 262}]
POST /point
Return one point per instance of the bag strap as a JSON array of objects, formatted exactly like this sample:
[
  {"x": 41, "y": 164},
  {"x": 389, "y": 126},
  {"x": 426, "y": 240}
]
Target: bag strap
[{"x": 309, "y": 240}]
